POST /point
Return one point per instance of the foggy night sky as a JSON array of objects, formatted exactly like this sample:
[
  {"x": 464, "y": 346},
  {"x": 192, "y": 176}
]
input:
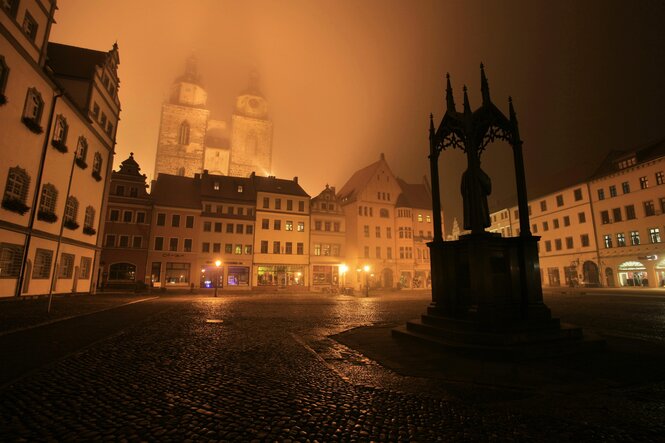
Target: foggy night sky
[{"x": 349, "y": 79}]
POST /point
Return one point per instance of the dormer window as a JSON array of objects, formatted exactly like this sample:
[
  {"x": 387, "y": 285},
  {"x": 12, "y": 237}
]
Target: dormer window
[
  {"x": 215, "y": 186},
  {"x": 627, "y": 163}
]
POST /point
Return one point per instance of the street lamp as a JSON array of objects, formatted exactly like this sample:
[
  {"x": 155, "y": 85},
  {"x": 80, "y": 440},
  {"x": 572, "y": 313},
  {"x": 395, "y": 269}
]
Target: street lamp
[
  {"x": 366, "y": 268},
  {"x": 218, "y": 263},
  {"x": 342, "y": 270}
]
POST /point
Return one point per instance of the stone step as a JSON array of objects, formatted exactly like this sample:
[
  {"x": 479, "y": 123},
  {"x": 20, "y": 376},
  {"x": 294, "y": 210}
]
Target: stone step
[
  {"x": 471, "y": 325},
  {"x": 530, "y": 350},
  {"x": 507, "y": 338}
]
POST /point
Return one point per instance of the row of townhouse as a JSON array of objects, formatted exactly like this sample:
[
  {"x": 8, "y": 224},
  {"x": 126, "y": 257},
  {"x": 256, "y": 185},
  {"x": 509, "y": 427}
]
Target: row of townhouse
[
  {"x": 607, "y": 231},
  {"x": 59, "y": 111},
  {"x": 265, "y": 232}
]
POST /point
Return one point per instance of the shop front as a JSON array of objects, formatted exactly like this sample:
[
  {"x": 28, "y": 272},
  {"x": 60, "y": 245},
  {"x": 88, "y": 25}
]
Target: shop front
[
  {"x": 633, "y": 273},
  {"x": 281, "y": 276},
  {"x": 325, "y": 276}
]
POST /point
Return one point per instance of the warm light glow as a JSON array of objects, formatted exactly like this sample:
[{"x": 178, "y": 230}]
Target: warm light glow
[
  {"x": 343, "y": 268},
  {"x": 218, "y": 263},
  {"x": 203, "y": 270},
  {"x": 366, "y": 268}
]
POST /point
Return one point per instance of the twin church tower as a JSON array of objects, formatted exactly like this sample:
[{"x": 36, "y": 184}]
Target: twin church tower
[{"x": 190, "y": 142}]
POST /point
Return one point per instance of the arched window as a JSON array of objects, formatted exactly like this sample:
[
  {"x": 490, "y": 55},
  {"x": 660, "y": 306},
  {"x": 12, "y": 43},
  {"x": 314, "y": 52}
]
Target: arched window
[
  {"x": 122, "y": 271},
  {"x": 71, "y": 209},
  {"x": 16, "y": 190},
  {"x": 89, "y": 219},
  {"x": 183, "y": 133},
  {"x": 48, "y": 199}
]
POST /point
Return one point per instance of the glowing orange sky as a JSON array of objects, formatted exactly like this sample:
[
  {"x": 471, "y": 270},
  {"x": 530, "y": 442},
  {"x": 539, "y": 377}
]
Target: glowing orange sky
[{"x": 347, "y": 80}]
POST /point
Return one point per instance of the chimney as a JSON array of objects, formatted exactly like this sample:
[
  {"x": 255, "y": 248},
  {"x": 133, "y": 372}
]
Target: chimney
[
  {"x": 295, "y": 179},
  {"x": 252, "y": 175},
  {"x": 197, "y": 176},
  {"x": 383, "y": 157},
  {"x": 205, "y": 172}
]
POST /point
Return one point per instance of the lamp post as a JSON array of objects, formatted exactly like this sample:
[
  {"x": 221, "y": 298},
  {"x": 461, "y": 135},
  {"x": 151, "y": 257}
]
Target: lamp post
[
  {"x": 342, "y": 270},
  {"x": 366, "y": 268},
  {"x": 218, "y": 263}
]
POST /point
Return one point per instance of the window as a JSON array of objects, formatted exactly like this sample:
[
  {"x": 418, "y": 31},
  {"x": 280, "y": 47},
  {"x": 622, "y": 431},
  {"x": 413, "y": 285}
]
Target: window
[
  {"x": 177, "y": 273},
  {"x": 601, "y": 194},
  {"x": 187, "y": 247},
  {"x": 366, "y": 255},
  {"x": 581, "y": 217},
  {"x": 634, "y": 238},
  {"x": 566, "y": 220},
  {"x": 300, "y": 248},
  {"x": 389, "y": 232},
  {"x": 604, "y": 217},
  {"x": 584, "y": 238},
  {"x": 654, "y": 235},
  {"x": 378, "y": 232},
  {"x": 85, "y": 267},
  {"x": 548, "y": 245},
  {"x": 534, "y": 228},
  {"x": 289, "y": 225},
  {"x": 559, "y": 200},
  {"x": 159, "y": 243},
  {"x": 248, "y": 249},
  {"x": 378, "y": 252},
  {"x": 66, "y": 265},
  {"x": 89, "y": 218},
  {"x": 10, "y": 7},
  {"x": 278, "y": 203},
  {"x": 616, "y": 213},
  {"x": 183, "y": 134},
  {"x": 644, "y": 182},
  {"x": 110, "y": 241},
  {"x": 569, "y": 242},
  {"x": 47, "y": 203},
  {"x": 29, "y": 26},
  {"x": 205, "y": 247},
  {"x": 16, "y": 190},
  {"x": 389, "y": 253},
  {"x": 189, "y": 221},
  {"x": 60, "y": 129},
  {"x": 326, "y": 226},
  {"x": 555, "y": 223},
  {"x": 229, "y": 228},
  {"x": 123, "y": 241},
  {"x": 216, "y": 247},
  {"x": 625, "y": 187},
  {"x": 218, "y": 227},
  {"x": 608, "y": 240},
  {"x": 543, "y": 205},
  {"x": 97, "y": 166},
  {"x": 229, "y": 210},
  {"x": 140, "y": 217},
  {"x": 630, "y": 212},
  {"x": 578, "y": 194},
  {"x": 240, "y": 229},
  {"x": 557, "y": 244},
  {"x": 546, "y": 226},
  {"x": 173, "y": 244},
  {"x": 102, "y": 120},
  {"x": 277, "y": 225},
  {"x": 161, "y": 219},
  {"x": 420, "y": 218},
  {"x": 71, "y": 211},
  {"x": 276, "y": 247},
  {"x": 207, "y": 226},
  {"x": 95, "y": 110},
  {"x": 621, "y": 240},
  {"x": 11, "y": 257},
  {"x": 649, "y": 208},
  {"x": 301, "y": 206},
  {"x": 660, "y": 178},
  {"x": 237, "y": 250},
  {"x": 301, "y": 226},
  {"x": 127, "y": 216},
  {"x": 264, "y": 246},
  {"x": 317, "y": 249},
  {"x": 133, "y": 192},
  {"x": 249, "y": 229},
  {"x": 32, "y": 112},
  {"x": 366, "y": 230},
  {"x": 289, "y": 205},
  {"x": 42, "y": 266},
  {"x": 613, "y": 191},
  {"x": 662, "y": 205},
  {"x": 288, "y": 248},
  {"x": 265, "y": 224}
]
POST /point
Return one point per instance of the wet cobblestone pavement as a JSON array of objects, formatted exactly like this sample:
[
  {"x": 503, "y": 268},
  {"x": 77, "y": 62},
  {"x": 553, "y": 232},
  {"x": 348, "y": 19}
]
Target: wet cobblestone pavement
[{"x": 269, "y": 372}]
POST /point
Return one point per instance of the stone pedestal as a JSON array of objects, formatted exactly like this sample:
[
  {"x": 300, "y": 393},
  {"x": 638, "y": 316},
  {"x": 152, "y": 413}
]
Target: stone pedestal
[{"x": 487, "y": 294}]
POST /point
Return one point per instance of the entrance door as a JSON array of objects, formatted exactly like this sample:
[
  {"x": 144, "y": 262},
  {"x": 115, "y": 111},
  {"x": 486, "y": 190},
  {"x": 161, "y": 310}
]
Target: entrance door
[
  {"x": 591, "y": 277},
  {"x": 609, "y": 277}
]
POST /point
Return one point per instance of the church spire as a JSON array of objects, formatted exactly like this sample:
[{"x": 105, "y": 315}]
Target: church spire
[
  {"x": 450, "y": 100},
  {"x": 467, "y": 106},
  {"x": 191, "y": 74},
  {"x": 484, "y": 85}
]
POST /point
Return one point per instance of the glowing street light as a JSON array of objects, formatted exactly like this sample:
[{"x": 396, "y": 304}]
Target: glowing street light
[
  {"x": 343, "y": 270},
  {"x": 218, "y": 263},
  {"x": 366, "y": 268}
]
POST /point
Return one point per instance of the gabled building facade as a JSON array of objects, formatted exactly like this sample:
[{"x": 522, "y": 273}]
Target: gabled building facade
[
  {"x": 59, "y": 111},
  {"x": 327, "y": 242}
]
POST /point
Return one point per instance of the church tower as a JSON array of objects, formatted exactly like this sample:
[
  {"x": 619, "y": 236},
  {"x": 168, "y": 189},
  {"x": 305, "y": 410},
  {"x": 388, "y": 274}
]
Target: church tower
[
  {"x": 251, "y": 140},
  {"x": 182, "y": 130}
]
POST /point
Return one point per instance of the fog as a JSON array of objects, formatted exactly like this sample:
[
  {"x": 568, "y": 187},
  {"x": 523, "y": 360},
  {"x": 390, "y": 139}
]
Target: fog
[{"x": 347, "y": 80}]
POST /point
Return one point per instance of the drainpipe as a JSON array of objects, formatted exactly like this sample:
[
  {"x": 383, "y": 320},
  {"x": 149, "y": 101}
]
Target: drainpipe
[{"x": 35, "y": 199}]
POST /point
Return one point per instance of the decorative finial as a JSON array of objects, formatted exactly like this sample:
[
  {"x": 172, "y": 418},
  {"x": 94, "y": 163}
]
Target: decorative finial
[
  {"x": 431, "y": 124},
  {"x": 511, "y": 110},
  {"x": 484, "y": 85},
  {"x": 467, "y": 106},
  {"x": 131, "y": 154},
  {"x": 450, "y": 100}
]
